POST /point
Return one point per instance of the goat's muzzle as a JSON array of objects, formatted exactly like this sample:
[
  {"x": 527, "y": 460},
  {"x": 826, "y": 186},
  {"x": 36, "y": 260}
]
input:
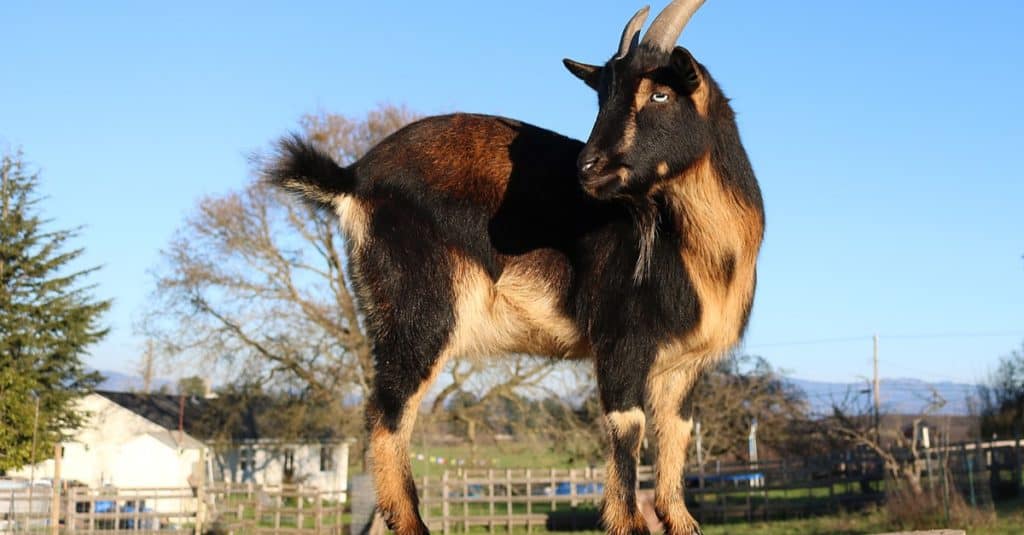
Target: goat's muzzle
[{"x": 599, "y": 179}]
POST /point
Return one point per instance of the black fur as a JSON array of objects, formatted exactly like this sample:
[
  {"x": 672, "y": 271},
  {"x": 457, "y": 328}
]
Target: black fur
[{"x": 302, "y": 168}]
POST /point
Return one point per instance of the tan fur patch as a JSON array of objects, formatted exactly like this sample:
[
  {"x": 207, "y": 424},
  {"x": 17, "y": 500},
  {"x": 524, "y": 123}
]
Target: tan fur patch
[
  {"x": 619, "y": 520},
  {"x": 662, "y": 168},
  {"x": 519, "y": 313},
  {"x": 391, "y": 472},
  {"x": 621, "y": 422},
  {"x": 643, "y": 94},
  {"x": 700, "y": 97},
  {"x": 665, "y": 393},
  {"x": 640, "y": 99},
  {"x": 719, "y": 225},
  {"x": 389, "y": 461},
  {"x": 618, "y": 514},
  {"x": 354, "y": 218},
  {"x": 628, "y": 133}
]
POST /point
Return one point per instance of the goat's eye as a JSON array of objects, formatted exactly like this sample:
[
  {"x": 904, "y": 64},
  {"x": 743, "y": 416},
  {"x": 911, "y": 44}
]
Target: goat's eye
[{"x": 659, "y": 97}]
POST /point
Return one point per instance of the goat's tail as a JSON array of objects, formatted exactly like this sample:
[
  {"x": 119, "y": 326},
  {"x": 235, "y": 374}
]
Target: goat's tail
[{"x": 302, "y": 168}]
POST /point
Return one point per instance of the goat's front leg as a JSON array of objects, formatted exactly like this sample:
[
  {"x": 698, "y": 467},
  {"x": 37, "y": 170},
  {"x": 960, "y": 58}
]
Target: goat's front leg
[
  {"x": 667, "y": 400},
  {"x": 621, "y": 387}
]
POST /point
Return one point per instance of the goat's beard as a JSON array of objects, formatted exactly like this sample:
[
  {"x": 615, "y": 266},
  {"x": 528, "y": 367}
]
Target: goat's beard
[{"x": 645, "y": 214}]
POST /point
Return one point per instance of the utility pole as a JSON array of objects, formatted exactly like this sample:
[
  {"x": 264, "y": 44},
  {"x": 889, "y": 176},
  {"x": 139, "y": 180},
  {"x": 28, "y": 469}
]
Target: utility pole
[{"x": 877, "y": 395}]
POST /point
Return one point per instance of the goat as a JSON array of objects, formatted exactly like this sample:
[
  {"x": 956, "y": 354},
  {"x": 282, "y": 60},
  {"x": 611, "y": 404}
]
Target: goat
[{"x": 480, "y": 235}]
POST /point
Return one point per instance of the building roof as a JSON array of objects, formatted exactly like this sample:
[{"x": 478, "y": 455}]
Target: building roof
[
  {"x": 219, "y": 418},
  {"x": 172, "y": 439},
  {"x": 161, "y": 409}
]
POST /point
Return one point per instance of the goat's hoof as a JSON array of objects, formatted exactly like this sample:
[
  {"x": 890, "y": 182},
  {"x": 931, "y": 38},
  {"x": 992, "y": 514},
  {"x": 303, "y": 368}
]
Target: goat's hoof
[
  {"x": 675, "y": 519},
  {"x": 404, "y": 526}
]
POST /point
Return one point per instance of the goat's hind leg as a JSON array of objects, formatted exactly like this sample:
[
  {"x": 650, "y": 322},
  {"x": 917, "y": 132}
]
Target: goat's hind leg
[
  {"x": 410, "y": 319},
  {"x": 391, "y": 415}
]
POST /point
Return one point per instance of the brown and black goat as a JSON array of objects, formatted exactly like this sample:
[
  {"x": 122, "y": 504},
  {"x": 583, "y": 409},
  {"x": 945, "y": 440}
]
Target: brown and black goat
[{"x": 479, "y": 235}]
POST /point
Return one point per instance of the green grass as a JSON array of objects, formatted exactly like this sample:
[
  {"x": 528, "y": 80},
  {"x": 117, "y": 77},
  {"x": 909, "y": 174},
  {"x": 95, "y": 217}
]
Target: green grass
[
  {"x": 1009, "y": 521},
  {"x": 509, "y": 455}
]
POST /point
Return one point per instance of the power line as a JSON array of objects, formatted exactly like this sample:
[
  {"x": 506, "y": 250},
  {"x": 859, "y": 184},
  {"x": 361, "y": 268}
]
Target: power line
[
  {"x": 952, "y": 335},
  {"x": 810, "y": 342},
  {"x": 864, "y": 338}
]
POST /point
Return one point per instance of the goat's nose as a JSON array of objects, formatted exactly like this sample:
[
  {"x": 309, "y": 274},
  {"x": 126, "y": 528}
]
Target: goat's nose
[{"x": 588, "y": 162}]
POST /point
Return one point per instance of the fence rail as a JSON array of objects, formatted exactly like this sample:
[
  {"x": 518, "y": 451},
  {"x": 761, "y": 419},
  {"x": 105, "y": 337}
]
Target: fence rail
[
  {"x": 227, "y": 508},
  {"x": 461, "y": 499},
  {"x": 512, "y": 499}
]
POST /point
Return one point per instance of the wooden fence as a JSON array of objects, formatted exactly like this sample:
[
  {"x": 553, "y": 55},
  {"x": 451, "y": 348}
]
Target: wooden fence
[
  {"x": 507, "y": 500},
  {"x": 289, "y": 509},
  {"x": 224, "y": 508},
  {"x": 565, "y": 499},
  {"x": 568, "y": 499}
]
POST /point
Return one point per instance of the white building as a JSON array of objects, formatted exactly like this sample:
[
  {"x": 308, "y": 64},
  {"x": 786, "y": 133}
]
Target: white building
[
  {"x": 118, "y": 447},
  {"x": 270, "y": 461},
  {"x": 134, "y": 440}
]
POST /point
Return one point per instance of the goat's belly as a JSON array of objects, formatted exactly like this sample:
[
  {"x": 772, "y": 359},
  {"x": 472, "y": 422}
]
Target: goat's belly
[{"x": 520, "y": 313}]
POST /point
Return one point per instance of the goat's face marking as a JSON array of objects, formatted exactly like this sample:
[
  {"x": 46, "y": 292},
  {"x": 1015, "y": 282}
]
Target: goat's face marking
[
  {"x": 651, "y": 122},
  {"x": 652, "y": 119}
]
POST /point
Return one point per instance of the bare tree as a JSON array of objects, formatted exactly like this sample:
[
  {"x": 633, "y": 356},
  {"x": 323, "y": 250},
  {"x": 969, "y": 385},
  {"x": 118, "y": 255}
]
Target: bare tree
[
  {"x": 739, "y": 390},
  {"x": 852, "y": 422},
  {"x": 1001, "y": 397},
  {"x": 252, "y": 287},
  {"x": 531, "y": 398}
]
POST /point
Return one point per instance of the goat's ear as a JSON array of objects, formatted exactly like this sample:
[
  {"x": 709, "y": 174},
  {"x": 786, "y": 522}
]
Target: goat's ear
[
  {"x": 686, "y": 69},
  {"x": 590, "y": 74}
]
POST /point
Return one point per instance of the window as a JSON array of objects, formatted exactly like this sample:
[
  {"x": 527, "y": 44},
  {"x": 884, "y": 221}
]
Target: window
[
  {"x": 247, "y": 462},
  {"x": 288, "y": 465},
  {"x": 326, "y": 459}
]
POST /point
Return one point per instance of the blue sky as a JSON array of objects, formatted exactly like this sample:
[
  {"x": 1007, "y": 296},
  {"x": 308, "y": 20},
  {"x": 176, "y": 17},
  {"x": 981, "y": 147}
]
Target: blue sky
[{"x": 887, "y": 137}]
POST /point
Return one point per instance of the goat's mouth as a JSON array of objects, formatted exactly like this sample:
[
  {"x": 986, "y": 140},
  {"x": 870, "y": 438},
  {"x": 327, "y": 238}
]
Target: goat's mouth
[{"x": 607, "y": 184}]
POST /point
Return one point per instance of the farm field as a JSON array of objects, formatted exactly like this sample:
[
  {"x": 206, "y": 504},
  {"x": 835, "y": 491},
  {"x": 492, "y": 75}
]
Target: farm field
[{"x": 510, "y": 455}]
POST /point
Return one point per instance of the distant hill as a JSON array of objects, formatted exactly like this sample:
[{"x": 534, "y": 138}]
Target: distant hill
[
  {"x": 121, "y": 382},
  {"x": 899, "y": 396}
]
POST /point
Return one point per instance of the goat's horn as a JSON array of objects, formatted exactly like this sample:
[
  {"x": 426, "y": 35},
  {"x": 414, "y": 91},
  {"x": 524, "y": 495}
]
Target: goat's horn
[
  {"x": 631, "y": 34},
  {"x": 665, "y": 30}
]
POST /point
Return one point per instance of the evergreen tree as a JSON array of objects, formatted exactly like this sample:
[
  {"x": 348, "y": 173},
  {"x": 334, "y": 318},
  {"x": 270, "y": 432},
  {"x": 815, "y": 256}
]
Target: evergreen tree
[{"x": 48, "y": 317}]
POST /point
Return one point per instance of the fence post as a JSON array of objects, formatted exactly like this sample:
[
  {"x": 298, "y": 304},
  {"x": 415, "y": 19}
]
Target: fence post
[
  {"x": 529, "y": 501},
  {"x": 300, "y": 498},
  {"x": 465, "y": 500},
  {"x": 1017, "y": 463},
  {"x": 277, "y": 510},
  {"x": 572, "y": 489},
  {"x": 199, "y": 470},
  {"x": 55, "y": 491},
  {"x": 970, "y": 479},
  {"x": 490, "y": 499},
  {"x": 319, "y": 522},
  {"x": 258, "y": 513},
  {"x": 92, "y": 510},
  {"x": 69, "y": 511},
  {"x": 508, "y": 497},
  {"x": 553, "y": 488},
  {"x": 445, "y": 508},
  {"x": 945, "y": 474}
]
